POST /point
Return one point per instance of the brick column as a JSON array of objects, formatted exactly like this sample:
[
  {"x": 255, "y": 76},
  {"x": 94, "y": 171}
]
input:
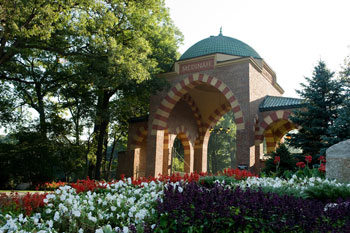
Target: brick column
[
  {"x": 201, "y": 154},
  {"x": 154, "y": 164},
  {"x": 242, "y": 148}
]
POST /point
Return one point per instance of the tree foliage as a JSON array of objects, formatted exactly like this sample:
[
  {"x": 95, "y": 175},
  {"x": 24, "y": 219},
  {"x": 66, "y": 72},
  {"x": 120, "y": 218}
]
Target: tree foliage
[
  {"x": 222, "y": 144},
  {"x": 340, "y": 130},
  {"x": 84, "y": 67},
  {"x": 323, "y": 97}
]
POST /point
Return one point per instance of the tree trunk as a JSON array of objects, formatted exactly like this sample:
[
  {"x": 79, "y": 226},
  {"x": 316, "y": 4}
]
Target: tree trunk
[
  {"x": 111, "y": 156},
  {"x": 101, "y": 123},
  {"x": 105, "y": 151},
  {"x": 41, "y": 110}
]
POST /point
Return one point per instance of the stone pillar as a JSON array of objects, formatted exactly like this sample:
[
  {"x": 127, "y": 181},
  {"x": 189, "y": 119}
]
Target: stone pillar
[
  {"x": 338, "y": 162},
  {"x": 154, "y": 164}
]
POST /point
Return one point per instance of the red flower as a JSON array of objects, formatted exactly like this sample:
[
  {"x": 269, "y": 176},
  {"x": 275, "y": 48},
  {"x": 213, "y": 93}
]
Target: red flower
[
  {"x": 308, "y": 158},
  {"x": 322, "y": 168},
  {"x": 277, "y": 160},
  {"x": 300, "y": 164},
  {"x": 322, "y": 159}
]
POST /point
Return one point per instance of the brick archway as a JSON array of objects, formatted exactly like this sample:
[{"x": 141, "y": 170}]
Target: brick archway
[{"x": 181, "y": 88}]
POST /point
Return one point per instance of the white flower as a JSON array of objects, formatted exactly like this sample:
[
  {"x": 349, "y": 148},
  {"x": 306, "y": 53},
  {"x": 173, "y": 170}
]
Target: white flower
[
  {"x": 99, "y": 230},
  {"x": 63, "y": 197},
  {"x": 48, "y": 211},
  {"x": 125, "y": 229},
  {"x": 81, "y": 230},
  {"x": 113, "y": 208},
  {"x": 57, "y": 216},
  {"x": 132, "y": 209},
  {"x": 180, "y": 189},
  {"x": 50, "y": 223},
  {"x": 76, "y": 213},
  {"x": 91, "y": 218}
]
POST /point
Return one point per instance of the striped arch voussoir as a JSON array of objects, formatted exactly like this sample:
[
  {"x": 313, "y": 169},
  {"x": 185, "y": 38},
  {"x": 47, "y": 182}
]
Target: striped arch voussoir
[
  {"x": 182, "y": 130},
  {"x": 139, "y": 137},
  {"x": 198, "y": 117},
  {"x": 182, "y": 87},
  {"x": 270, "y": 119},
  {"x": 183, "y": 135}
]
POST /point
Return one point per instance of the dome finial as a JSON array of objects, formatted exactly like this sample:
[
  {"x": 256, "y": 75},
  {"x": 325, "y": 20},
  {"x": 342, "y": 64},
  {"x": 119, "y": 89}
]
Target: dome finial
[{"x": 220, "y": 31}]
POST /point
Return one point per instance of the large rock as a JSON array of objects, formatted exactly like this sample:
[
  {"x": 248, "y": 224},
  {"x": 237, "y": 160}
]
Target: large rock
[{"x": 338, "y": 162}]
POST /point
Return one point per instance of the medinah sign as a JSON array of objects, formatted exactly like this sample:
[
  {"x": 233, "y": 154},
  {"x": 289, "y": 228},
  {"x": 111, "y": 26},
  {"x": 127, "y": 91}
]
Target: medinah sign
[{"x": 216, "y": 75}]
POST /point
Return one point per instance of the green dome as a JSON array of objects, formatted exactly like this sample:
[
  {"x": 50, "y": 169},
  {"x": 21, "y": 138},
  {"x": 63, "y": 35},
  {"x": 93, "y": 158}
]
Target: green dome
[{"x": 220, "y": 44}]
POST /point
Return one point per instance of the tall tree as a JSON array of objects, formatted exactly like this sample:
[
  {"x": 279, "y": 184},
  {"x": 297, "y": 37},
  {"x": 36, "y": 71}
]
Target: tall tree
[
  {"x": 129, "y": 42},
  {"x": 340, "y": 130},
  {"x": 222, "y": 144},
  {"x": 80, "y": 56},
  {"x": 323, "y": 97}
]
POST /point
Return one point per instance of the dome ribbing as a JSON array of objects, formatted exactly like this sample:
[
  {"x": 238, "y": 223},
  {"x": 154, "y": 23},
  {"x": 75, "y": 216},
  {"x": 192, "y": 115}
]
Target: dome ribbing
[{"x": 220, "y": 44}]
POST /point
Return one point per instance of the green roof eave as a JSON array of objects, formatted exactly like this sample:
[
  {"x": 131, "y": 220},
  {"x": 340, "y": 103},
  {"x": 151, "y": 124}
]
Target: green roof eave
[{"x": 271, "y": 103}]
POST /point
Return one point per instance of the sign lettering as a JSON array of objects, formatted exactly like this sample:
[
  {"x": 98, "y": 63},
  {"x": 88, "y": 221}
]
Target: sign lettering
[{"x": 197, "y": 66}]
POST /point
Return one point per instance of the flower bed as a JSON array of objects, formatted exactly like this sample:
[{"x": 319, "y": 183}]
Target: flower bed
[{"x": 195, "y": 202}]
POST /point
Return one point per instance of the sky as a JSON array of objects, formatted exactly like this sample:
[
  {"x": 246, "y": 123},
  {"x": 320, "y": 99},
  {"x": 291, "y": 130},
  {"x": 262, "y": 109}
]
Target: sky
[{"x": 291, "y": 36}]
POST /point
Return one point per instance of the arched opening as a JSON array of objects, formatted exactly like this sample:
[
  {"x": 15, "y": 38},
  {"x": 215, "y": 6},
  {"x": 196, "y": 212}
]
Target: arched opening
[
  {"x": 222, "y": 144},
  {"x": 177, "y": 157},
  {"x": 181, "y": 157},
  {"x": 276, "y": 132}
]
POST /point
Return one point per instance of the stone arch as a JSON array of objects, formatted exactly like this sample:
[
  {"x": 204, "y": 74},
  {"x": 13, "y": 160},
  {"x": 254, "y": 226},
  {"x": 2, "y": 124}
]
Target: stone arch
[
  {"x": 212, "y": 120},
  {"x": 273, "y": 117},
  {"x": 182, "y": 87},
  {"x": 184, "y": 136},
  {"x": 139, "y": 137},
  {"x": 274, "y": 135}
]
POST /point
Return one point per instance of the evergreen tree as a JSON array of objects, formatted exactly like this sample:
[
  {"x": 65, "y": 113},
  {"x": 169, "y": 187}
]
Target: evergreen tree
[
  {"x": 323, "y": 96},
  {"x": 286, "y": 161},
  {"x": 340, "y": 130}
]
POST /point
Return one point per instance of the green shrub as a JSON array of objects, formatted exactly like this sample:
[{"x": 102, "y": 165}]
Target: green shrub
[{"x": 328, "y": 192}]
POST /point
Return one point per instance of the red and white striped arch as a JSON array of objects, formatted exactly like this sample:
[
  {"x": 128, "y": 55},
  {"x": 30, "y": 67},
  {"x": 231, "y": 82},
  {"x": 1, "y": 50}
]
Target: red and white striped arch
[
  {"x": 189, "y": 100},
  {"x": 272, "y": 134},
  {"x": 139, "y": 137},
  {"x": 181, "y": 88},
  {"x": 184, "y": 136},
  {"x": 270, "y": 119}
]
